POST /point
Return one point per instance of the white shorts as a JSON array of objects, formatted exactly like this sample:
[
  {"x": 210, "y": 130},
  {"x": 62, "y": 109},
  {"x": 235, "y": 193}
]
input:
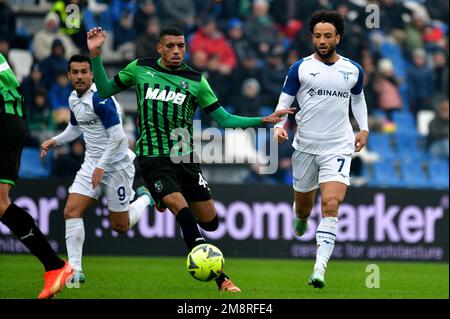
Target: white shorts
[
  {"x": 117, "y": 186},
  {"x": 310, "y": 170}
]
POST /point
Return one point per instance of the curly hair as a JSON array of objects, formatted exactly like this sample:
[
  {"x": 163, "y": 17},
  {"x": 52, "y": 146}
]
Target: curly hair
[{"x": 327, "y": 16}]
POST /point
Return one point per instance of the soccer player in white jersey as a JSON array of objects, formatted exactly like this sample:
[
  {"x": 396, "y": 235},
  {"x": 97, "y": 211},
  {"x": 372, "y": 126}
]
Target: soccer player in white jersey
[
  {"x": 324, "y": 83},
  {"x": 108, "y": 164}
]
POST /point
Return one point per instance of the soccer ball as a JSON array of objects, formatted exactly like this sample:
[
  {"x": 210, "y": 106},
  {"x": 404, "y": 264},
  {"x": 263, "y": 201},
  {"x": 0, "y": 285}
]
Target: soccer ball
[{"x": 205, "y": 262}]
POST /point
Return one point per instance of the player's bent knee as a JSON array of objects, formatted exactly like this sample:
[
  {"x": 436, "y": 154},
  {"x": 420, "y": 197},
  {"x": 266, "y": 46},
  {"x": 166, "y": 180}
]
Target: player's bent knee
[
  {"x": 331, "y": 205},
  {"x": 70, "y": 212},
  {"x": 211, "y": 225},
  {"x": 120, "y": 227}
]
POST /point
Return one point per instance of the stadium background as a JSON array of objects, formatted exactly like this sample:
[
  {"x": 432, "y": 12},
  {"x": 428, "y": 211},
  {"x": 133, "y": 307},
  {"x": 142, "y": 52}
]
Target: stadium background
[{"x": 397, "y": 207}]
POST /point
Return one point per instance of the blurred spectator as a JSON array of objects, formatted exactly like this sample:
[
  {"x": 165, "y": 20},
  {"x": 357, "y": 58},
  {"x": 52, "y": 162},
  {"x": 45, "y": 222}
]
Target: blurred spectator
[
  {"x": 54, "y": 64},
  {"x": 260, "y": 29},
  {"x": 420, "y": 82},
  {"x": 355, "y": 40},
  {"x": 97, "y": 13},
  {"x": 31, "y": 84},
  {"x": 440, "y": 74},
  {"x": 146, "y": 42},
  {"x": 4, "y": 46},
  {"x": 210, "y": 40},
  {"x": 43, "y": 39},
  {"x": 272, "y": 81},
  {"x": 146, "y": 11},
  {"x": 118, "y": 7},
  {"x": 66, "y": 165},
  {"x": 40, "y": 124},
  {"x": 72, "y": 24},
  {"x": 7, "y": 21},
  {"x": 58, "y": 96},
  {"x": 438, "y": 9},
  {"x": 240, "y": 45},
  {"x": 178, "y": 13},
  {"x": 439, "y": 131},
  {"x": 368, "y": 66},
  {"x": 125, "y": 36},
  {"x": 386, "y": 86},
  {"x": 199, "y": 61},
  {"x": 250, "y": 68},
  {"x": 248, "y": 102},
  {"x": 434, "y": 38},
  {"x": 302, "y": 42},
  {"x": 391, "y": 18},
  {"x": 414, "y": 31}
]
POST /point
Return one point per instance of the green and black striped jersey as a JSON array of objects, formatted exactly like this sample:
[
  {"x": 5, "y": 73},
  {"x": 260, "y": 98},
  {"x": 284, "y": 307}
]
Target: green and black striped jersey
[
  {"x": 167, "y": 100},
  {"x": 11, "y": 100}
]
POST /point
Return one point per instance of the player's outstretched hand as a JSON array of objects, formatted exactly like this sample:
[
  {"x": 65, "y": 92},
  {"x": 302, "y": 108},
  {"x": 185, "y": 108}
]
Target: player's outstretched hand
[
  {"x": 360, "y": 140},
  {"x": 95, "y": 39},
  {"x": 276, "y": 116},
  {"x": 46, "y": 145},
  {"x": 281, "y": 135}
]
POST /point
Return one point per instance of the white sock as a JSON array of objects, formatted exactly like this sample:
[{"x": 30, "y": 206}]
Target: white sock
[
  {"x": 325, "y": 237},
  {"x": 74, "y": 241},
  {"x": 137, "y": 208}
]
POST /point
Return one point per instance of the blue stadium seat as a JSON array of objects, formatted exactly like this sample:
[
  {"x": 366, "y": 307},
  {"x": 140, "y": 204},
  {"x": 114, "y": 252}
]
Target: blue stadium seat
[
  {"x": 31, "y": 165},
  {"x": 413, "y": 175},
  {"x": 438, "y": 170},
  {"x": 407, "y": 146},
  {"x": 381, "y": 144},
  {"x": 384, "y": 174},
  {"x": 405, "y": 122}
]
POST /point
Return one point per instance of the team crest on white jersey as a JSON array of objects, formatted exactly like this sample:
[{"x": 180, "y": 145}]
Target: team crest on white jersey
[{"x": 345, "y": 74}]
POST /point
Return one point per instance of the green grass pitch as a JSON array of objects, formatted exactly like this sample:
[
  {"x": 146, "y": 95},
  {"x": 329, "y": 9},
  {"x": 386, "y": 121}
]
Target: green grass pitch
[{"x": 21, "y": 276}]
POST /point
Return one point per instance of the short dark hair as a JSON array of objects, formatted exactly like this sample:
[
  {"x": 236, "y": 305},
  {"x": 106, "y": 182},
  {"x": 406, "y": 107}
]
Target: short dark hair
[
  {"x": 79, "y": 58},
  {"x": 170, "y": 31},
  {"x": 327, "y": 16}
]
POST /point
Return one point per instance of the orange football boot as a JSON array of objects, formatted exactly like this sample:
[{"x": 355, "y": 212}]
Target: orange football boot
[
  {"x": 228, "y": 285},
  {"x": 55, "y": 280}
]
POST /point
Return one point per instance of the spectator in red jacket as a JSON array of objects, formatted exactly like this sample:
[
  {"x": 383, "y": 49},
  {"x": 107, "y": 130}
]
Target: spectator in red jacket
[{"x": 210, "y": 40}]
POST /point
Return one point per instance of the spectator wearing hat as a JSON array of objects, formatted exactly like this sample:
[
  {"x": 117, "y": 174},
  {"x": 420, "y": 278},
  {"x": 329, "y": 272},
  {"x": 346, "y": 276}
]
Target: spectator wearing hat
[
  {"x": 386, "y": 87},
  {"x": 39, "y": 119},
  {"x": 420, "y": 82},
  {"x": 54, "y": 64},
  {"x": 240, "y": 45},
  {"x": 43, "y": 39},
  {"x": 248, "y": 102},
  {"x": 272, "y": 81},
  {"x": 31, "y": 84}
]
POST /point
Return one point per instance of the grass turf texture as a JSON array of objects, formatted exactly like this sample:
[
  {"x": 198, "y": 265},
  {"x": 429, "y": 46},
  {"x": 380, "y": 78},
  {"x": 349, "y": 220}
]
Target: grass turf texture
[{"x": 21, "y": 276}]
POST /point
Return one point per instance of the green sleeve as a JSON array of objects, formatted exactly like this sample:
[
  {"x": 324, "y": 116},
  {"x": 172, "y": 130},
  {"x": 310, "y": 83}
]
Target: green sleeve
[
  {"x": 205, "y": 96},
  {"x": 211, "y": 106},
  {"x": 108, "y": 87},
  {"x": 225, "y": 119}
]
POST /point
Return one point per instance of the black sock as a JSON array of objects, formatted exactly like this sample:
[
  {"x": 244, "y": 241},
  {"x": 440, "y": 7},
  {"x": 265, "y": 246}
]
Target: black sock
[
  {"x": 191, "y": 234},
  {"x": 219, "y": 280},
  {"x": 211, "y": 225},
  {"x": 24, "y": 227}
]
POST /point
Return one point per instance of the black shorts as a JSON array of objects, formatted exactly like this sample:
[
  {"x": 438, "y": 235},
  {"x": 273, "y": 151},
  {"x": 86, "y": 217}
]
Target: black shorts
[
  {"x": 163, "y": 177},
  {"x": 12, "y": 137}
]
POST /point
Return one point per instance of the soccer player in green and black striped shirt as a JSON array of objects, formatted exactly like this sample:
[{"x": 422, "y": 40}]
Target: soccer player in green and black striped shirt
[
  {"x": 12, "y": 137},
  {"x": 168, "y": 92}
]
